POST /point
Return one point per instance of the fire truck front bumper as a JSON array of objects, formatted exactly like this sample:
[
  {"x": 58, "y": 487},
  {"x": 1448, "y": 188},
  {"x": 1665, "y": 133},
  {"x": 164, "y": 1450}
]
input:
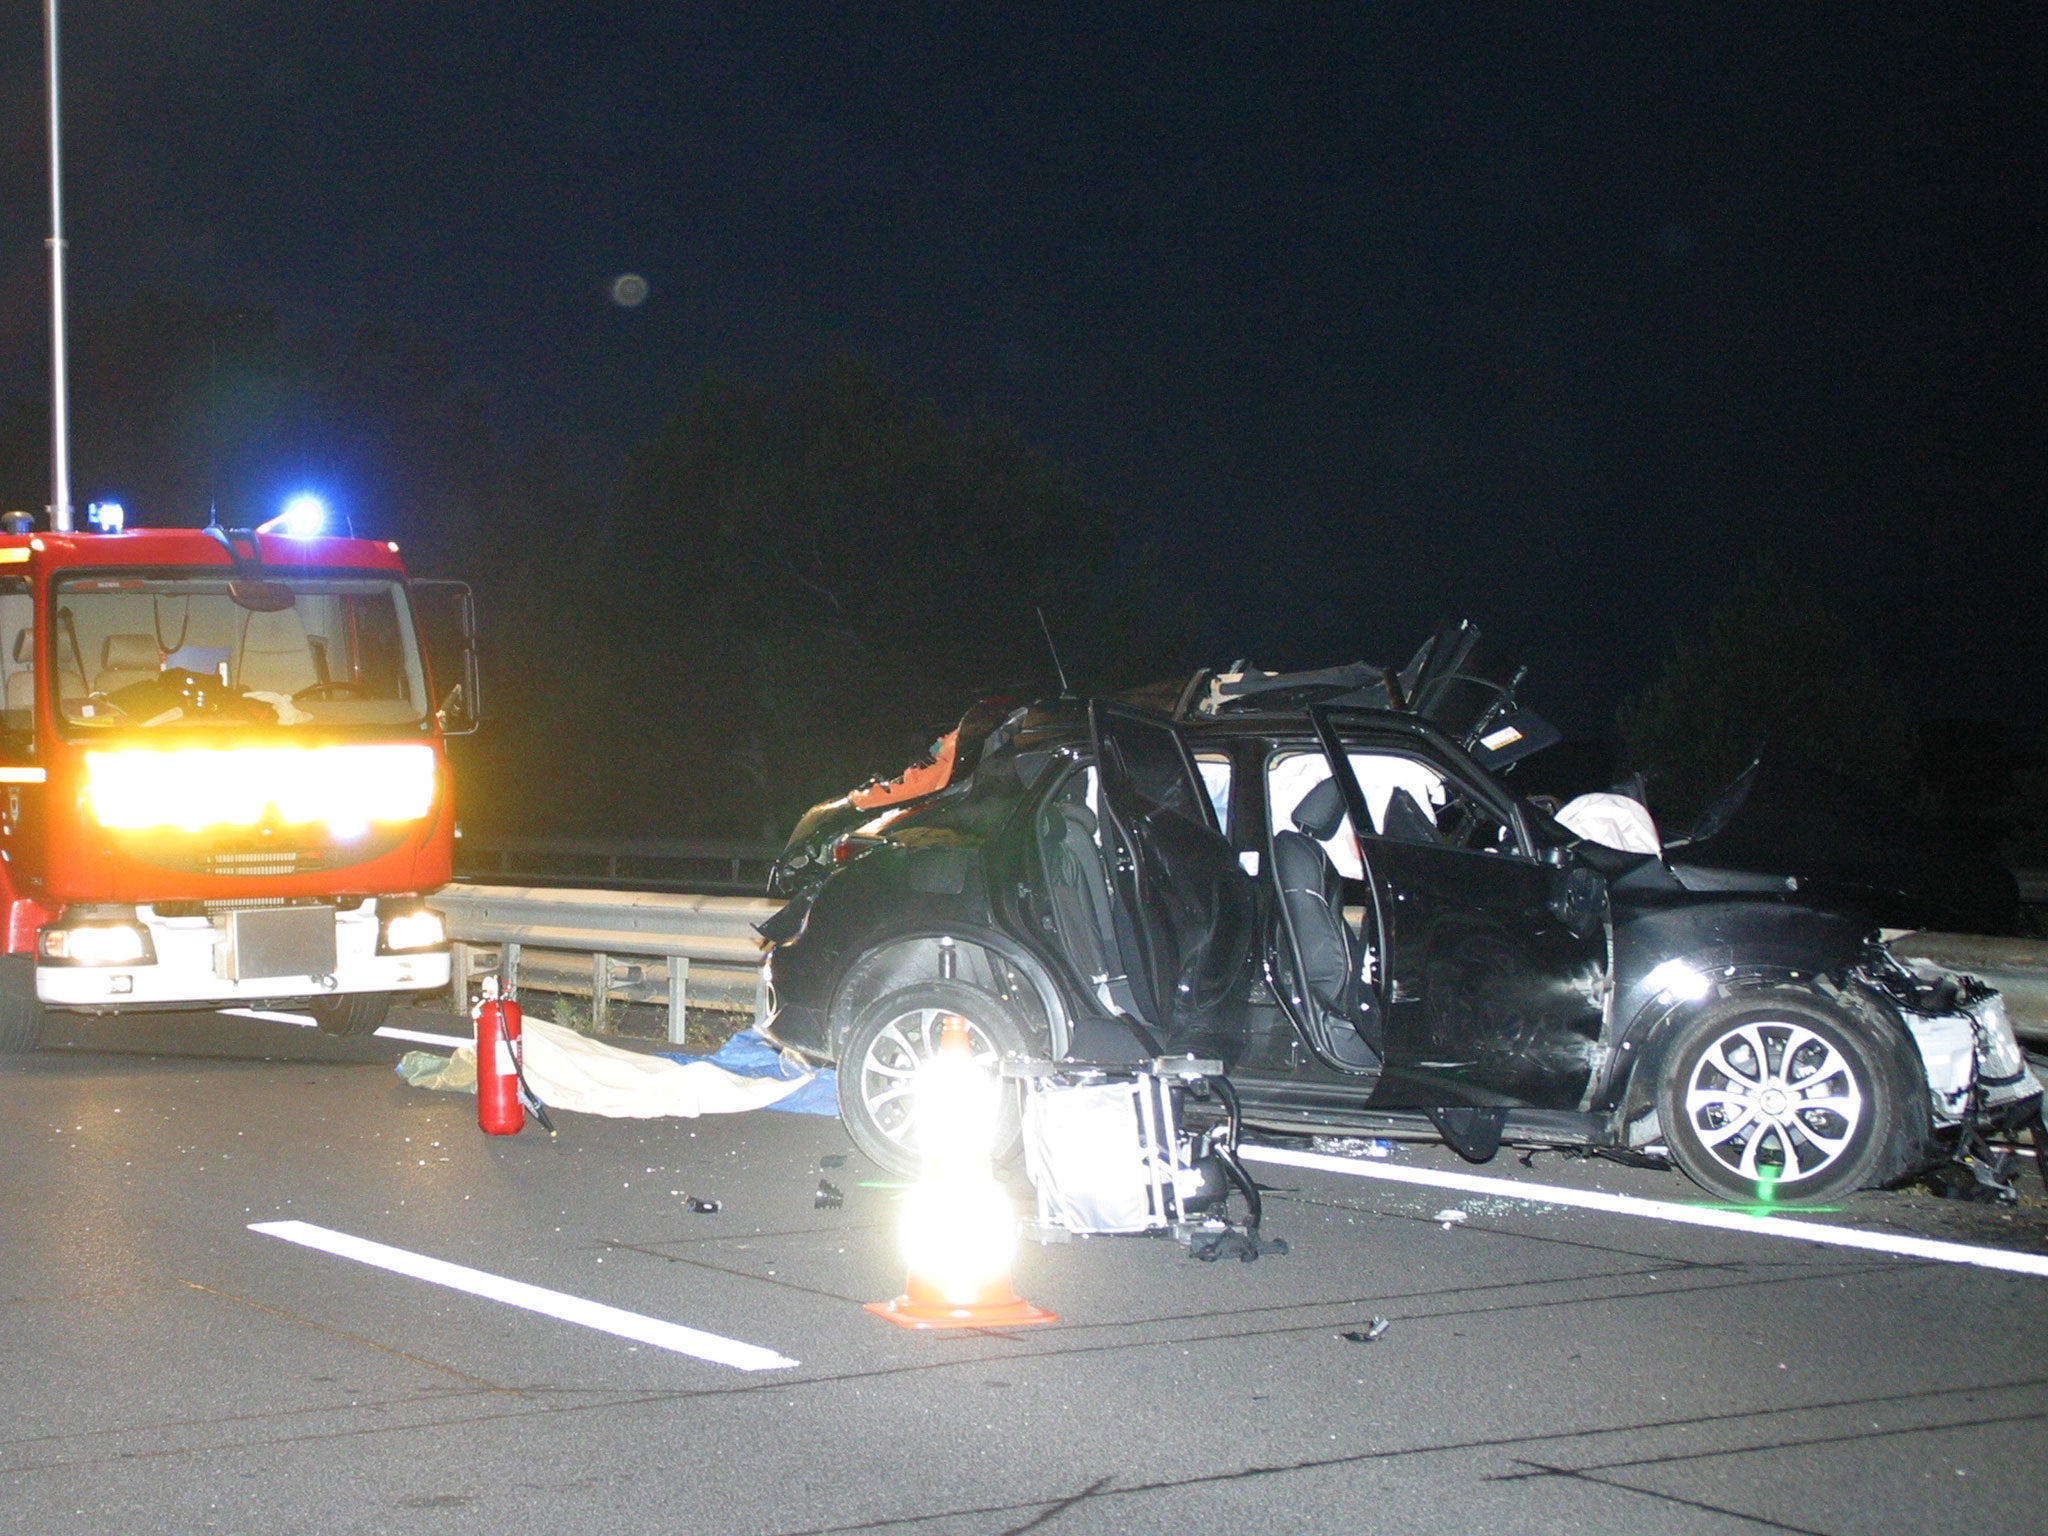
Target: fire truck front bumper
[{"x": 258, "y": 955}]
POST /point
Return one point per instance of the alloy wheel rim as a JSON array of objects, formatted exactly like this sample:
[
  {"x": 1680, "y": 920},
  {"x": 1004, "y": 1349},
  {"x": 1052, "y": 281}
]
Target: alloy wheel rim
[
  {"x": 1773, "y": 1101},
  {"x": 888, "y": 1068}
]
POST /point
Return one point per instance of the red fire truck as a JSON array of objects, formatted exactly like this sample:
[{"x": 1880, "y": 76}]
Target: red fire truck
[{"x": 223, "y": 771}]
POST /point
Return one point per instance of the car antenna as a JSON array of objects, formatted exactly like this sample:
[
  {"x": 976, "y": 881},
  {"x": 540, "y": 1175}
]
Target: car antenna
[{"x": 1066, "y": 691}]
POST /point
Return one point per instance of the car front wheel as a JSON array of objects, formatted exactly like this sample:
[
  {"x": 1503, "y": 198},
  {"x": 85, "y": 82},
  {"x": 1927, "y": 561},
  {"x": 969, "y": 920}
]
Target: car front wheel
[
  {"x": 1778, "y": 1097},
  {"x": 896, "y": 1035}
]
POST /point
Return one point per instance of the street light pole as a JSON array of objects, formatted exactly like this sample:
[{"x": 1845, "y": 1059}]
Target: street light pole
[{"x": 60, "y": 392}]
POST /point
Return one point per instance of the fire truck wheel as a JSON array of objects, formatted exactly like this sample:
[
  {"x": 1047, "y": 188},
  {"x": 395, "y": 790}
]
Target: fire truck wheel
[
  {"x": 357, "y": 1013},
  {"x": 21, "y": 1013}
]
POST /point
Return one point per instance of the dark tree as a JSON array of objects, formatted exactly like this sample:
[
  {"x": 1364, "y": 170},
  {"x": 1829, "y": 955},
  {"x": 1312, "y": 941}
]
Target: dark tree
[
  {"x": 1776, "y": 675},
  {"x": 797, "y": 587}
]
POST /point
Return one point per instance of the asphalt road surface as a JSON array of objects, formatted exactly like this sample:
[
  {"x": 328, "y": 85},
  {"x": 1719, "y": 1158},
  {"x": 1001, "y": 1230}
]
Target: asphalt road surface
[{"x": 164, "y": 1367}]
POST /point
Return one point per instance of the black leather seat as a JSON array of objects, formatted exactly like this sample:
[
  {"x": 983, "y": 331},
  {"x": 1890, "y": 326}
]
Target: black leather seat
[
  {"x": 1079, "y": 884},
  {"x": 1326, "y": 956}
]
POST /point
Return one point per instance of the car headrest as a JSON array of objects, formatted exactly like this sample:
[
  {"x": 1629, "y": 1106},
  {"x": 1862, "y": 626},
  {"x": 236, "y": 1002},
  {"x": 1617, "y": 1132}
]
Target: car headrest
[
  {"x": 1321, "y": 811},
  {"x": 24, "y": 644},
  {"x": 130, "y": 653}
]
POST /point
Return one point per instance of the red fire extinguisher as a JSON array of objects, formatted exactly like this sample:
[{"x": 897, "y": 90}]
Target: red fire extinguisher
[{"x": 498, "y": 1109}]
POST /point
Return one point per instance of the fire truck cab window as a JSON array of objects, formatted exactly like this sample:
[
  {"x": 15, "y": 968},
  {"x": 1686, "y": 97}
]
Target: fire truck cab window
[
  {"x": 17, "y": 664},
  {"x": 171, "y": 651}
]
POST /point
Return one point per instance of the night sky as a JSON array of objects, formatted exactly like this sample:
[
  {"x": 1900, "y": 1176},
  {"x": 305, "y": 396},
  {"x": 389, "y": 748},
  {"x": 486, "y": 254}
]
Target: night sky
[{"x": 1369, "y": 314}]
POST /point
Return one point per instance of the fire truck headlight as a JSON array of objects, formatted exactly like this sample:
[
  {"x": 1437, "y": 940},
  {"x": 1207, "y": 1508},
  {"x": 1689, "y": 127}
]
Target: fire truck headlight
[
  {"x": 98, "y": 944},
  {"x": 413, "y": 928}
]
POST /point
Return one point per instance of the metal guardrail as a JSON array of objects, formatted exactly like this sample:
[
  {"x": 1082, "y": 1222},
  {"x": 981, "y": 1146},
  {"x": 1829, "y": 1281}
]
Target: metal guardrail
[
  {"x": 2017, "y": 967},
  {"x": 628, "y": 862},
  {"x": 572, "y": 941}
]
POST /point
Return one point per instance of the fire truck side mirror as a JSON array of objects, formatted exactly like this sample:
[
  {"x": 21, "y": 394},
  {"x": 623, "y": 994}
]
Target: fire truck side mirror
[{"x": 446, "y": 613}]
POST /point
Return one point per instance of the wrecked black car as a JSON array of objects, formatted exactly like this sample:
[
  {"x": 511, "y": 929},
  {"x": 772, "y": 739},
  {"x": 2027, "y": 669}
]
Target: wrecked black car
[{"x": 1325, "y": 883}]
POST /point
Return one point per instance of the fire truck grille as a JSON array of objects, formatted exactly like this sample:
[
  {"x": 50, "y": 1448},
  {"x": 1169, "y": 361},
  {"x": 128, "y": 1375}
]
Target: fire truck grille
[
  {"x": 267, "y": 861},
  {"x": 257, "y": 857},
  {"x": 253, "y": 903}
]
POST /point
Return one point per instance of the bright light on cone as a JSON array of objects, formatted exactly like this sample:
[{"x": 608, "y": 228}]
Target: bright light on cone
[
  {"x": 959, "y": 1229},
  {"x": 959, "y": 1237}
]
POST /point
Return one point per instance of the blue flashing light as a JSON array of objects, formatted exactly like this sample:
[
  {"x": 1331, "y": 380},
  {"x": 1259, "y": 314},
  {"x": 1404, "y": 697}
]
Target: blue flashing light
[
  {"x": 106, "y": 516},
  {"x": 304, "y": 517}
]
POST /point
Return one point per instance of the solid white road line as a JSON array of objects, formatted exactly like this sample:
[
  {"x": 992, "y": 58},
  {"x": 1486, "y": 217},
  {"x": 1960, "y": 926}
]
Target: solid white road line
[
  {"x": 1661, "y": 1210},
  {"x": 533, "y": 1298}
]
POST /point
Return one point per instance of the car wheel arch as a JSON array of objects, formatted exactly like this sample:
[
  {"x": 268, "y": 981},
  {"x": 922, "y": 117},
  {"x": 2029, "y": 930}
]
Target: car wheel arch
[
  {"x": 888, "y": 962},
  {"x": 1653, "y": 1030},
  {"x": 1640, "y": 1046}
]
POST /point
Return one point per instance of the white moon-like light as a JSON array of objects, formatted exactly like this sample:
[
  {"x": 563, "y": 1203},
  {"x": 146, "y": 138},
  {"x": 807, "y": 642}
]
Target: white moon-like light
[{"x": 629, "y": 290}]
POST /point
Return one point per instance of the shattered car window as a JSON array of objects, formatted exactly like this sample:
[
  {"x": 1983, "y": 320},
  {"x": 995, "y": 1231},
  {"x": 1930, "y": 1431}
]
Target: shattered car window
[
  {"x": 1147, "y": 759},
  {"x": 1466, "y": 821}
]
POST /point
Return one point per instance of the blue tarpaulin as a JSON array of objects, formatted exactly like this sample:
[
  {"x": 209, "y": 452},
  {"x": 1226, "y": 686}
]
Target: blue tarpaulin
[{"x": 751, "y": 1056}]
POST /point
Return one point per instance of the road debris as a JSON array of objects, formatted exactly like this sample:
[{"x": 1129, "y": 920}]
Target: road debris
[
  {"x": 1212, "y": 1243},
  {"x": 1449, "y": 1217},
  {"x": 1371, "y": 1333},
  {"x": 1353, "y": 1146},
  {"x": 698, "y": 1207},
  {"x": 830, "y": 1197}
]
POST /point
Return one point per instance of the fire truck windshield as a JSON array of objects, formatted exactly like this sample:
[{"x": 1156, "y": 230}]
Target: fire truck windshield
[{"x": 163, "y": 650}]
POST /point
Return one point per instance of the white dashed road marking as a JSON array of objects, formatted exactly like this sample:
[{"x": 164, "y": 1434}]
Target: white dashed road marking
[
  {"x": 306, "y": 1021},
  {"x": 422, "y": 1037},
  {"x": 1662, "y": 1210},
  {"x": 532, "y": 1298}
]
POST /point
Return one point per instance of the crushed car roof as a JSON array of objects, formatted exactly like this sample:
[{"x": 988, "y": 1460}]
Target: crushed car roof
[{"x": 1455, "y": 680}]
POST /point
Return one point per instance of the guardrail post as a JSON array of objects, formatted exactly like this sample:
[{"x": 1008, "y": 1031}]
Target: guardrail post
[
  {"x": 458, "y": 978},
  {"x": 600, "y": 991},
  {"x": 678, "y": 998}
]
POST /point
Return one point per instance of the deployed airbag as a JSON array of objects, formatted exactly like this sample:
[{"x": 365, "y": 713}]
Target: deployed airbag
[{"x": 1613, "y": 821}]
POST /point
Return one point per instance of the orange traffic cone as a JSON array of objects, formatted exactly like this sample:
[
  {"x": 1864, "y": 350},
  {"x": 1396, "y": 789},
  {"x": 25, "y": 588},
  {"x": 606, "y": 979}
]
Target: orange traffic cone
[{"x": 959, "y": 1229}]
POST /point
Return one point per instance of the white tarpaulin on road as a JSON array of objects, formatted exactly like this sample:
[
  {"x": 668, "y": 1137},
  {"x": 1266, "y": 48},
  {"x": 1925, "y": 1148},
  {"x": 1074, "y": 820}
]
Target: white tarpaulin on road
[{"x": 571, "y": 1071}]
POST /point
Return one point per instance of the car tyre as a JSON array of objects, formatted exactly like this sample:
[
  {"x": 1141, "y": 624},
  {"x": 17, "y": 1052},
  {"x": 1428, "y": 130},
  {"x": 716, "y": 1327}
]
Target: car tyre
[
  {"x": 21, "y": 1011},
  {"x": 891, "y": 1038},
  {"x": 1780, "y": 1096},
  {"x": 353, "y": 1013}
]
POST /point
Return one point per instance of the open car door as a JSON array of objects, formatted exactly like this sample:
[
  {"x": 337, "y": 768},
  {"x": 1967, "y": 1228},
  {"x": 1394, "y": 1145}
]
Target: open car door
[
  {"x": 1184, "y": 917},
  {"x": 1492, "y": 982}
]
